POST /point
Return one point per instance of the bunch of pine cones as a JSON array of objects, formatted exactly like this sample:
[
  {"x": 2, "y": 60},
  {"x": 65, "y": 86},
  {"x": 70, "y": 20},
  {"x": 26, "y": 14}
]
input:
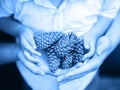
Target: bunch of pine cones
[{"x": 64, "y": 50}]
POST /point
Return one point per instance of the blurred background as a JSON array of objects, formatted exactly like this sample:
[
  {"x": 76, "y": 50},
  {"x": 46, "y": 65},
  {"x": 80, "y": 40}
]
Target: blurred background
[{"x": 10, "y": 78}]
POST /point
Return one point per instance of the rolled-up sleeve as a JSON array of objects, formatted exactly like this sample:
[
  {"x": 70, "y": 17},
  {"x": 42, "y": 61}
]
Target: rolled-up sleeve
[
  {"x": 6, "y": 8},
  {"x": 110, "y": 8}
]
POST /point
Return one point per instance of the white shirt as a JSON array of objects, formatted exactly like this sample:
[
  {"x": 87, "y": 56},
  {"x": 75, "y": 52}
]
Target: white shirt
[{"x": 72, "y": 15}]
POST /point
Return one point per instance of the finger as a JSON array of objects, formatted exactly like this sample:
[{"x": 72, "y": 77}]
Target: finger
[
  {"x": 67, "y": 76},
  {"x": 31, "y": 58},
  {"x": 31, "y": 41},
  {"x": 91, "y": 52},
  {"x": 29, "y": 48},
  {"x": 60, "y": 78},
  {"x": 86, "y": 44},
  {"x": 101, "y": 49},
  {"x": 28, "y": 35},
  {"x": 103, "y": 45},
  {"x": 79, "y": 64},
  {"x": 90, "y": 66},
  {"x": 32, "y": 67},
  {"x": 44, "y": 67}
]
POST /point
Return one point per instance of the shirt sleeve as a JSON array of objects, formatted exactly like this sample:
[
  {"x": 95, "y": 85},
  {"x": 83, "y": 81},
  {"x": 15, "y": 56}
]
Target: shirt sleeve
[
  {"x": 6, "y": 8},
  {"x": 110, "y": 8}
]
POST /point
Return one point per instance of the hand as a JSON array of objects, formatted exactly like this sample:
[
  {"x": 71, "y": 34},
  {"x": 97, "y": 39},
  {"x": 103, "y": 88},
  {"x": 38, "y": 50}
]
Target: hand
[
  {"x": 89, "y": 44},
  {"x": 34, "y": 68},
  {"x": 40, "y": 81},
  {"x": 29, "y": 53},
  {"x": 89, "y": 65},
  {"x": 28, "y": 45},
  {"x": 80, "y": 71}
]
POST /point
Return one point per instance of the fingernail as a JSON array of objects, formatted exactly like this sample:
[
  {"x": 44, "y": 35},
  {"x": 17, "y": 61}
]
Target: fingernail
[
  {"x": 84, "y": 57},
  {"x": 87, "y": 47},
  {"x": 41, "y": 72},
  {"x": 78, "y": 65},
  {"x": 60, "y": 78},
  {"x": 37, "y": 60},
  {"x": 34, "y": 47}
]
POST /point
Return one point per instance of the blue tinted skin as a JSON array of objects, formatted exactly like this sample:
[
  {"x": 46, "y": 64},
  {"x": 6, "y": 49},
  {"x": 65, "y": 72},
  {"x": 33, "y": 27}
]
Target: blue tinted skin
[
  {"x": 91, "y": 37},
  {"x": 8, "y": 52}
]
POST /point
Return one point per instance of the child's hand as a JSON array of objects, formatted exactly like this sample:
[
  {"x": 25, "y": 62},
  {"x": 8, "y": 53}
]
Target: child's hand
[
  {"x": 28, "y": 45},
  {"x": 89, "y": 44},
  {"x": 103, "y": 45}
]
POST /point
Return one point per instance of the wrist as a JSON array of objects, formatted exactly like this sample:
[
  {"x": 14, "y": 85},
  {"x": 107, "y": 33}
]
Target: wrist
[
  {"x": 17, "y": 52},
  {"x": 94, "y": 33},
  {"x": 20, "y": 30}
]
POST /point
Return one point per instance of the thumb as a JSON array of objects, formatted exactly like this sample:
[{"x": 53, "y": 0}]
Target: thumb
[
  {"x": 101, "y": 49},
  {"x": 32, "y": 42},
  {"x": 103, "y": 45},
  {"x": 86, "y": 44},
  {"x": 30, "y": 38}
]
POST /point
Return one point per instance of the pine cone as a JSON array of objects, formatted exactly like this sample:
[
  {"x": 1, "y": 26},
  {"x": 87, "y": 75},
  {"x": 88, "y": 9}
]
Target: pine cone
[
  {"x": 70, "y": 50},
  {"x": 63, "y": 46},
  {"x": 45, "y": 40},
  {"x": 53, "y": 60},
  {"x": 67, "y": 62},
  {"x": 73, "y": 39},
  {"x": 78, "y": 52},
  {"x": 77, "y": 58},
  {"x": 63, "y": 51}
]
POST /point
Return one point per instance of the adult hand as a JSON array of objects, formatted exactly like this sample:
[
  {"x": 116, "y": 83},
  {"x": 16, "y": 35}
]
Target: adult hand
[
  {"x": 34, "y": 68},
  {"x": 89, "y": 65}
]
